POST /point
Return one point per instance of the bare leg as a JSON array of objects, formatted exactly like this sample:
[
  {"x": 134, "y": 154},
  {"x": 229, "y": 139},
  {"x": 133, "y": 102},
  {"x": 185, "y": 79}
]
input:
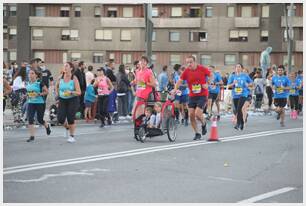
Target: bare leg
[{"x": 192, "y": 119}]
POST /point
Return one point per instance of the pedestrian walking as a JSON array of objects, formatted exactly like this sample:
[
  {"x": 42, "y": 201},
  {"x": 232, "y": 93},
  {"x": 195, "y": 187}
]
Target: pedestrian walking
[
  {"x": 122, "y": 89},
  {"x": 295, "y": 85},
  {"x": 67, "y": 90}
]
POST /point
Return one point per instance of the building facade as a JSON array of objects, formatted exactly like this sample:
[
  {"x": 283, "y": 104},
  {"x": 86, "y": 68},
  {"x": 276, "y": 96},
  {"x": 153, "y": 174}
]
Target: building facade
[{"x": 217, "y": 34}]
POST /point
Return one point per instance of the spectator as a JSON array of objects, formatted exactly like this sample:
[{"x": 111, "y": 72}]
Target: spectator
[
  {"x": 122, "y": 88},
  {"x": 46, "y": 78},
  {"x": 112, "y": 107},
  {"x": 80, "y": 74},
  {"x": 259, "y": 84},
  {"x": 163, "y": 79},
  {"x": 89, "y": 75},
  {"x": 132, "y": 88}
]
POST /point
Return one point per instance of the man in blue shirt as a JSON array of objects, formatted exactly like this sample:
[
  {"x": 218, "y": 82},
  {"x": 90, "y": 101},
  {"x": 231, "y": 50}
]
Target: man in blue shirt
[
  {"x": 281, "y": 86},
  {"x": 300, "y": 79},
  {"x": 214, "y": 93},
  {"x": 163, "y": 79}
]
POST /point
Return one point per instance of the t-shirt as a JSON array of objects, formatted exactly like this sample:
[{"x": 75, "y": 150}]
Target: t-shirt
[
  {"x": 184, "y": 86},
  {"x": 279, "y": 82},
  {"x": 195, "y": 79},
  {"x": 294, "y": 91},
  {"x": 155, "y": 120},
  {"x": 142, "y": 78},
  {"x": 240, "y": 88},
  {"x": 46, "y": 76},
  {"x": 215, "y": 89}
]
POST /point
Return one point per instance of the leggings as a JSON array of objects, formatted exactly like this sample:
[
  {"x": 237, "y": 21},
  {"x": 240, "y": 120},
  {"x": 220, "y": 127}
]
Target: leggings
[
  {"x": 294, "y": 102},
  {"x": 269, "y": 94},
  {"x": 39, "y": 110},
  {"x": 258, "y": 101},
  {"x": 102, "y": 107},
  {"x": 67, "y": 109},
  {"x": 238, "y": 104}
]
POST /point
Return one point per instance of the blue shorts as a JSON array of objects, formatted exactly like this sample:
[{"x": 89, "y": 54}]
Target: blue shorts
[
  {"x": 181, "y": 99},
  {"x": 88, "y": 103},
  {"x": 199, "y": 101}
]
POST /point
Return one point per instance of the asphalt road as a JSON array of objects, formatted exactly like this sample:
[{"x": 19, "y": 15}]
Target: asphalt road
[{"x": 263, "y": 163}]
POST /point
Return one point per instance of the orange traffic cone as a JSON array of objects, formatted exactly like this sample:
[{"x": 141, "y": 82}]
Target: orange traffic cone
[{"x": 214, "y": 130}]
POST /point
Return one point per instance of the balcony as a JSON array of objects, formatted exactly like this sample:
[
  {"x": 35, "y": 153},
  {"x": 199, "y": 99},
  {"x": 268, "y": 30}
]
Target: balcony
[
  {"x": 177, "y": 22},
  {"x": 5, "y": 44},
  {"x": 299, "y": 46},
  {"x": 111, "y": 22},
  {"x": 297, "y": 21},
  {"x": 247, "y": 22},
  {"x": 49, "y": 21}
]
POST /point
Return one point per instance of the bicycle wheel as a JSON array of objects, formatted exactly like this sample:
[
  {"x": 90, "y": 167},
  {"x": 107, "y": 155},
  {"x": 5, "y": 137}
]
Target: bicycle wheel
[
  {"x": 171, "y": 129},
  {"x": 142, "y": 134}
]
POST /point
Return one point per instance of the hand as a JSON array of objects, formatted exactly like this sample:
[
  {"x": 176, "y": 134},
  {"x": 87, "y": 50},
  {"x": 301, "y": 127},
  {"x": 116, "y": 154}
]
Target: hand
[{"x": 205, "y": 86}]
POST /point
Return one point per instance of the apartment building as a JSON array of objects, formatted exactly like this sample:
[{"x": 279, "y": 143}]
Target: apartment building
[{"x": 217, "y": 34}]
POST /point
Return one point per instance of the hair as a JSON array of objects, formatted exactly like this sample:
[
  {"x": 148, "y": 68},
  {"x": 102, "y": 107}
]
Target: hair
[
  {"x": 33, "y": 61},
  {"x": 191, "y": 57},
  {"x": 145, "y": 58},
  {"x": 149, "y": 109},
  {"x": 122, "y": 68},
  {"x": 259, "y": 74},
  {"x": 102, "y": 70},
  {"x": 81, "y": 63},
  {"x": 22, "y": 72},
  {"x": 111, "y": 61},
  {"x": 136, "y": 62},
  {"x": 92, "y": 81},
  {"x": 38, "y": 60},
  {"x": 90, "y": 68},
  {"x": 158, "y": 104},
  {"x": 70, "y": 64},
  {"x": 211, "y": 66},
  {"x": 176, "y": 67},
  {"x": 240, "y": 65},
  {"x": 281, "y": 67},
  {"x": 38, "y": 74},
  {"x": 300, "y": 72},
  {"x": 165, "y": 68}
]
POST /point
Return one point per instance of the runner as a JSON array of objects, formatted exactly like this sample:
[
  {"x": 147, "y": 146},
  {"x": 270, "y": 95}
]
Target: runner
[
  {"x": 105, "y": 87},
  {"x": 195, "y": 75},
  {"x": 67, "y": 90},
  {"x": 280, "y": 84},
  {"x": 214, "y": 93},
  {"x": 181, "y": 99},
  {"x": 300, "y": 79},
  {"x": 145, "y": 82},
  {"x": 295, "y": 85},
  {"x": 36, "y": 90},
  {"x": 248, "y": 101},
  {"x": 239, "y": 82}
]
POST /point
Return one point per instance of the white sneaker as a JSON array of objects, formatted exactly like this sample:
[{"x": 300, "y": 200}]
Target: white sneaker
[{"x": 71, "y": 139}]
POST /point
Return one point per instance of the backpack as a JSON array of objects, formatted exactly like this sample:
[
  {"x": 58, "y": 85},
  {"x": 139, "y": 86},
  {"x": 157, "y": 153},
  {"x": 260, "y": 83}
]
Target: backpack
[
  {"x": 122, "y": 87},
  {"x": 258, "y": 90}
]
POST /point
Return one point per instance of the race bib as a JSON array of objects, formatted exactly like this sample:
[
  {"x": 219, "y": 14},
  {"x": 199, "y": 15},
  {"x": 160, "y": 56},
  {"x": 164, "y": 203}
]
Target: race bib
[
  {"x": 279, "y": 90},
  {"x": 292, "y": 91},
  {"x": 196, "y": 88},
  {"x": 66, "y": 93},
  {"x": 32, "y": 94},
  {"x": 238, "y": 90},
  {"x": 141, "y": 86}
]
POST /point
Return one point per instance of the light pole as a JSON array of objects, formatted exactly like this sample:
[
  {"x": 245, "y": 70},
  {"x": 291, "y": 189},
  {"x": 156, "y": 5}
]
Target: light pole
[
  {"x": 289, "y": 32},
  {"x": 148, "y": 31}
]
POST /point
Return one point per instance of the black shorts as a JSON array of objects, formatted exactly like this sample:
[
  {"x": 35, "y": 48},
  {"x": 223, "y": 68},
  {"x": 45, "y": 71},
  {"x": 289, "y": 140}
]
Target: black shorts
[
  {"x": 199, "y": 101},
  {"x": 213, "y": 96},
  {"x": 280, "y": 102},
  {"x": 39, "y": 110},
  {"x": 67, "y": 109}
]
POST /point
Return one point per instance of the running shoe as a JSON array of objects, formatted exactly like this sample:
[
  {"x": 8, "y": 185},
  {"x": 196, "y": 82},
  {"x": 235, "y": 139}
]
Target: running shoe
[
  {"x": 204, "y": 129},
  {"x": 282, "y": 124},
  {"x": 48, "y": 129},
  {"x": 197, "y": 136},
  {"x": 71, "y": 139},
  {"x": 237, "y": 127},
  {"x": 30, "y": 139},
  {"x": 278, "y": 116},
  {"x": 241, "y": 127},
  {"x": 182, "y": 121}
]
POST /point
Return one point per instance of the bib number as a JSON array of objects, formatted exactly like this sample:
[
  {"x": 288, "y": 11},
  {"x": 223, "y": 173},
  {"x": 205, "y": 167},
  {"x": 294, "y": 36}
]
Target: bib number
[
  {"x": 196, "y": 88},
  {"x": 66, "y": 93},
  {"x": 238, "y": 90},
  {"x": 292, "y": 91},
  {"x": 32, "y": 94},
  {"x": 141, "y": 86},
  {"x": 279, "y": 90}
]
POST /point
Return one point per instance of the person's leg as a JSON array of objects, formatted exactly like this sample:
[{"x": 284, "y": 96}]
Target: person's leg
[
  {"x": 192, "y": 117},
  {"x": 72, "y": 103},
  {"x": 209, "y": 105},
  {"x": 100, "y": 110},
  {"x": 40, "y": 111},
  {"x": 105, "y": 113},
  {"x": 120, "y": 105},
  {"x": 217, "y": 102},
  {"x": 240, "y": 121},
  {"x": 125, "y": 105},
  {"x": 245, "y": 110},
  {"x": 282, "y": 112},
  {"x": 31, "y": 113}
]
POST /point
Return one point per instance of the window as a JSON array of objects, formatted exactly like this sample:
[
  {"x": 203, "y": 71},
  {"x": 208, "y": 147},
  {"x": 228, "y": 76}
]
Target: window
[
  {"x": 97, "y": 11},
  {"x": 230, "y": 11},
  {"x": 125, "y": 35},
  {"x": 40, "y": 55},
  {"x": 64, "y": 11},
  {"x": 208, "y": 12},
  {"x": 70, "y": 34},
  {"x": 285, "y": 35},
  {"x": 40, "y": 11},
  {"x": 5, "y": 33},
  {"x": 176, "y": 11},
  {"x": 4, "y": 11},
  {"x": 264, "y": 35},
  {"x": 103, "y": 34},
  {"x": 206, "y": 59},
  {"x": 13, "y": 10},
  {"x": 174, "y": 36},
  {"x": 13, "y": 33},
  {"x": 77, "y": 11},
  {"x": 65, "y": 57},
  {"x": 175, "y": 59},
  {"x": 127, "y": 12},
  {"x": 246, "y": 11},
  {"x": 75, "y": 56},
  {"x": 230, "y": 59},
  {"x": 195, "y": 12},
  {"x": 198, "y": 36},
  {"x": 111, "y": 56},
  {"x": 153, "y": 59},
  {"x": 126, "y": 58},
  {"x": 13, "y": 56},
  {"x": 265, "y": 11},
  {"x": 293, "y": 10},
  {"x": 38, "y": 34},
  {"x": 245, "y": 59},
  {"x": 154, "y": 12},
  {"x": 112, "y": 12},
  {"x": 238, "y": 35},
  {"x": 154, "y": 36},
  {"x": 285, "y": 60},
  {"x": 97, "y": 57}
]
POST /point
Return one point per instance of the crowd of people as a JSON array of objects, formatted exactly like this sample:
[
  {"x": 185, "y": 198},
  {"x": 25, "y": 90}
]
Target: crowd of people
[{"x": 108, "y": 95}]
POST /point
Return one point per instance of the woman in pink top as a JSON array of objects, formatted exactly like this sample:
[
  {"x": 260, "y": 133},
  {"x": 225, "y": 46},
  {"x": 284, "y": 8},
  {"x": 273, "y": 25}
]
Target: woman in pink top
[
  {"x": 105, "y": 87},
  {"x": 145, "y": 82}
]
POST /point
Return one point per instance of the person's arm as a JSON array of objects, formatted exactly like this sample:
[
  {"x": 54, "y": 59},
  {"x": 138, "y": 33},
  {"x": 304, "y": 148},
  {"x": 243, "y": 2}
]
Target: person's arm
[
  {"x": 45, "y": 91},
  {"x": 152, "y": 81},
  {"x": 77, "y": 91},
  {"x": 230, "y": 82},
  {"x": 57, "y": 86}
]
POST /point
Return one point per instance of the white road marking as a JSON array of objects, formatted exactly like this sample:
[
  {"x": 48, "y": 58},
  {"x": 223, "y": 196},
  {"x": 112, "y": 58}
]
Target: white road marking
[
  {"x": 268, "y": 195},
  {"x": 30, "y": 167},
  {"x": 229, "y": 179}
]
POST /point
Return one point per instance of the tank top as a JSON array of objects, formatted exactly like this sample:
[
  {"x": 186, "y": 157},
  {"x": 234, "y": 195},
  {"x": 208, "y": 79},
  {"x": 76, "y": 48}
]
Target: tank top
[
  {"x": 34, "y": 88},
  {"x": 65, "y": 88},
  {"x": 142, "y": 78},
  {"x": 103, "y": 86}
]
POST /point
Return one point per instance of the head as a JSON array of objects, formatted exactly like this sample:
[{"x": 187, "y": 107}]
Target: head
[
  {"x": 34, "y": 63},
  {"x": 176, "y": 67},
  {"x": 122, "y": 69},
  {"x": 238, "y": 68},
  {"x": 158, "y": 107},
  {"x": 111, "y": 64},
  {"x": 148, "y": 111},
  {"x": 92, "y": 81},
  {"x": 191, "y": 62},
  {"x": 136, "y": 64},
  {"x": 68, "y": 68},
  {"x": 101, "y": 72},
  {"x": 212, "y": 68},
  {"x": 82, "y": 65},
  {"x": 293, "y": 75},
  {"x": 280, "y": 70},
  {"x": 144, "y": 61},
  {"x": 75, "y": 63},
  {"x": 90, "y": 68},
  {"x": 22, "y": 72},
  {"x": 39, "y": 62},
  {"x": 33, "y": 75},
  {"x": 181, "y": 69},
  {"x": 165, "y": 68},
  {"x": 258, "y": 74},
  {"x": 269, "y": 49},
  {"x": 300, "y": 73},
  {"x": 42, "y": 65}
]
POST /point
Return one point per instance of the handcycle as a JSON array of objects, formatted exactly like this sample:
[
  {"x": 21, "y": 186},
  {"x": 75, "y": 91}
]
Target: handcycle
[{"x": 168, "y": 125}]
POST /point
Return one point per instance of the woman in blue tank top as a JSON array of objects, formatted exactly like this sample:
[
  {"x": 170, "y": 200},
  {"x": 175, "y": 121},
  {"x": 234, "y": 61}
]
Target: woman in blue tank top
[
  {"x": 67, "y": 90},
  {"x": 35, "y": 92}
]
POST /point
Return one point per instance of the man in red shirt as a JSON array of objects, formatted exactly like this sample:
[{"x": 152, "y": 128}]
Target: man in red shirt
[{"x": 196, "y": 76}]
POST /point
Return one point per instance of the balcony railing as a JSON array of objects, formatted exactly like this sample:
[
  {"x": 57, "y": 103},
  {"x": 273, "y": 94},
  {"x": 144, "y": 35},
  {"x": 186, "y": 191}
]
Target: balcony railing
[
  {"x": 122, "y": 22},
  {"x": 296, "y": 21},
  {"x": 192, "y": 22},
  {"x": 49, "y": 21},
  {"x": 247, "y": 22},
  {"x": 299, "y": 46}
]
